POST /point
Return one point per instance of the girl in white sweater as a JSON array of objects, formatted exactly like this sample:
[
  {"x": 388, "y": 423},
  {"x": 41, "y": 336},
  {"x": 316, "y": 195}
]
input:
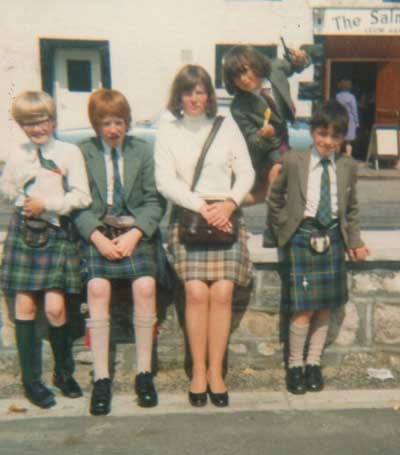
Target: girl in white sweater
[{"x": 208, "y": 272}]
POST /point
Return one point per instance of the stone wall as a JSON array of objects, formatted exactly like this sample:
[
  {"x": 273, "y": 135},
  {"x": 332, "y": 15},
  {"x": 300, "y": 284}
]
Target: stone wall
[{"x": 370, "y": 322}]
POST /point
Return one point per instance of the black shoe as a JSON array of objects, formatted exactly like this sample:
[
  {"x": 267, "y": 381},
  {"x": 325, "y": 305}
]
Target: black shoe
[
  {"x": 314, "y": 379},
  {"x": 269, "y": 240},
  {"x": 100, "y": 403},
  {"x": 295, "y": 380},
  {"x": 38, "y": 394},
  {"x": 67, "y": 384},
  {"x": 197, "y": 399},
  {"x": 145, "y": 390},
  {"x": 221, "y": 400}
]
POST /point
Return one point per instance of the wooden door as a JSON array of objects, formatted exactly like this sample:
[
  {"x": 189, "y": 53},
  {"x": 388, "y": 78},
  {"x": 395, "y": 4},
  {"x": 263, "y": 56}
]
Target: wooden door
[{"x": 388, "y": 93}]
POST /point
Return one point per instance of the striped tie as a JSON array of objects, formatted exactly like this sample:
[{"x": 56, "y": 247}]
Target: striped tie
[
  {"x": 118, "y": 201},
  {"x": 50, "y": 165},
  {"x": 45, "y": 163},
  {"x": 324, "y": 212}
]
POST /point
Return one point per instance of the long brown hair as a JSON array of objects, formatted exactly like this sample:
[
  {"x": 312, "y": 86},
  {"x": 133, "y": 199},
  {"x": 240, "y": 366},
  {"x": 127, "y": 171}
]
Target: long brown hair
[{"x": 185, "y": 81}]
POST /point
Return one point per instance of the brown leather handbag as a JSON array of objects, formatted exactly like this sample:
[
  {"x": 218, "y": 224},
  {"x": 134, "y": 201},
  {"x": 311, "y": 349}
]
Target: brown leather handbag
[{"x": 193, "y": 228}]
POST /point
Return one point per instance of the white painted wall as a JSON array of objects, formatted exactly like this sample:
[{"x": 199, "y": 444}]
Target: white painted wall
[{"x": 147, "y": 41}]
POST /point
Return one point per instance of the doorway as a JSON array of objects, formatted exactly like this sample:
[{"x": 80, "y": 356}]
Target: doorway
[{"x": 363, "y": 76}]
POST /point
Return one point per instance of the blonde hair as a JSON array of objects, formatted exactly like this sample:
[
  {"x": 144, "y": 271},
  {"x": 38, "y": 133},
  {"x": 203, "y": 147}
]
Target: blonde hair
[{"x": 31, "y": 106}]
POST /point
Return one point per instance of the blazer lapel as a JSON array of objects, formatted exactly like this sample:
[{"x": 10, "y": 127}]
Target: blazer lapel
[
  {"x": 303, "y": 164},
  {"x": 97, "y": 167},
  {"x": 259, "y": 106},
  {"x": 281, "y": 95},
  {"x": 341, "y": 183},
  {"x": 131, "y": 166}
]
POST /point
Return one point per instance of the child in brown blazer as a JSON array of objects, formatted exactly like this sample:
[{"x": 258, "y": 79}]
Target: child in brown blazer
[{"x": 314, "y": 214}]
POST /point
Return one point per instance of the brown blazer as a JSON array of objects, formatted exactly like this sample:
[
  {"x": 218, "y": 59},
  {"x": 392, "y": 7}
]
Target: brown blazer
[{"x": 287, "y": 200}]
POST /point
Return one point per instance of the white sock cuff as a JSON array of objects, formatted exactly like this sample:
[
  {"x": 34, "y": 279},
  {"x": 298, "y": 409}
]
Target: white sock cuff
[
  {"x": 145, "y": 321},
  {"x": 97, "y": 323},
  {"x": 298, "y": 329}
]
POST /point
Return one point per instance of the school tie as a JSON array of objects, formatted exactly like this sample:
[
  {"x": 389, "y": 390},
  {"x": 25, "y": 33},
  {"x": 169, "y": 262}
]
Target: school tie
[
  {"x": 118, "y": 201},
  {"x": 324, "y": 212},
  {"x": 50, "y": 165},
  {"x": 267, "y": 95},
  {"x": 45, "y": 163}
]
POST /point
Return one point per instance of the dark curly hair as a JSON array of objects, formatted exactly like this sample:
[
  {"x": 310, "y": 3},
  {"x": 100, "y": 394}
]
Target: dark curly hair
[{"x": 235, "y": 62}]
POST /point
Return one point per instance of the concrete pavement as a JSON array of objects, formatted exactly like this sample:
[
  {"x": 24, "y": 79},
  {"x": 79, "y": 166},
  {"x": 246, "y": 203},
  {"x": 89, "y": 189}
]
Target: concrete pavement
[{"x": 123, "y": 405}]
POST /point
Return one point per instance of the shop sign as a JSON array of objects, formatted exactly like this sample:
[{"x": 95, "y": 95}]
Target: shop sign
[{"x": 361, "y": 21}]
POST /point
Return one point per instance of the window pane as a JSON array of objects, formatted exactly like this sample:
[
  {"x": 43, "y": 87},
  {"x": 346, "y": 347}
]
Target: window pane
[{"x": 79, "y": 75}]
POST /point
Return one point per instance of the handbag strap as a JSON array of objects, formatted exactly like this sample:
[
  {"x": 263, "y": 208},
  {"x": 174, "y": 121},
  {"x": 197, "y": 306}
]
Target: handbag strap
[{"x": 207, "y": 143}]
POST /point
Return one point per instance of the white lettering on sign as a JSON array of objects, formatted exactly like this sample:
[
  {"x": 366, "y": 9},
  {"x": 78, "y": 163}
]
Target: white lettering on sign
[{"x": 334, "y": 21}]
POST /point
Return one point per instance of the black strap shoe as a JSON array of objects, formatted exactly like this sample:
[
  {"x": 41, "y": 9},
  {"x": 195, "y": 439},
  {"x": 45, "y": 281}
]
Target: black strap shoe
[
  {"x": 100, "y": 403},
  {"x": 314, "y": 379},
  {"x": 197, "y": 400},
  {"x": 295, "y": 380},
  {"x": 145, "y": 390},
  {"x": 67, "y": 384},
  {"x": 221, "y": 400},
  {"x": 38, "y": 394}
]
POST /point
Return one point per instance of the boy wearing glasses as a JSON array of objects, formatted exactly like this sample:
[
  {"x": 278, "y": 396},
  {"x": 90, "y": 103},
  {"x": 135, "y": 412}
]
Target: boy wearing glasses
[{"x": 46, "y": 181}]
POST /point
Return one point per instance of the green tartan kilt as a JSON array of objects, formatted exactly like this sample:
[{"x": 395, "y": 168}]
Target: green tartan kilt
[
  {"x": 316, "y": 281},
  {"x": 54, "y": 265},
  {"x": 210, "y": 263},
  {"x": 143, "y": 262}
]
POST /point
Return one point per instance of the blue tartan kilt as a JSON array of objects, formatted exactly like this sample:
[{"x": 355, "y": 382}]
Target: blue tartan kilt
[
  {"x": 316, "y": 281},
  {"x": 143, "y": 262},
  {"x": 54, "y": 265}
]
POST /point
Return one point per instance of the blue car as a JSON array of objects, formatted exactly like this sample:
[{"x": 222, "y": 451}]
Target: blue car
[{"x": 298, "y": 131}]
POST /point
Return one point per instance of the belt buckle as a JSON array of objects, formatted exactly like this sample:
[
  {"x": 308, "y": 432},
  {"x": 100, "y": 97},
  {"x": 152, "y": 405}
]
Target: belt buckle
[{"x": 119, "y": 222}]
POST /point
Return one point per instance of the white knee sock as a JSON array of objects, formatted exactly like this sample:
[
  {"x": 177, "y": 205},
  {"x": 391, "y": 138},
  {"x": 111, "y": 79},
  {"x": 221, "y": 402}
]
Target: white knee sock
[
  {"x": 99, "y": 332},
  {"x": 318, "y": 334},
  {"x": 144, "y": 331},
  {"x": 297, "y": 341}
]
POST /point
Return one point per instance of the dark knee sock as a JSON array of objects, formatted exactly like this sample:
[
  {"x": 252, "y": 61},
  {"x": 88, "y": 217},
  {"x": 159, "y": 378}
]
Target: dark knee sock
[
  {"x": 26, "y": 345},
  {"x": 59, "y": 342}
]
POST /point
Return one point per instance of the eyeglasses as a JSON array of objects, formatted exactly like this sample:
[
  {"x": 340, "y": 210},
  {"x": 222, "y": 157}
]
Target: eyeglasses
[{"x": 31, "y": 125}]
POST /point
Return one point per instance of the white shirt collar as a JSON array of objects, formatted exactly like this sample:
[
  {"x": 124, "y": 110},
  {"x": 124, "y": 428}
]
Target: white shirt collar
[
  {"x": 316, "y": 158},
  {"x": 107, "y": 149},
  {"x": 265, "y": 84},
  {"x": 45, "y": 148}
]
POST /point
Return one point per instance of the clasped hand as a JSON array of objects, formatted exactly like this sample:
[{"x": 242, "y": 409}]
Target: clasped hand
[
  {"x": 33, "y": 207},
  {"x": 218, "y": 214},
  {"x": 118, "y": 248}
]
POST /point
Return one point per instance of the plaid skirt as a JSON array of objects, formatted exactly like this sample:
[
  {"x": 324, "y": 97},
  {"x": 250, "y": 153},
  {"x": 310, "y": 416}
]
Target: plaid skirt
[
  {"x": 316, "y": 281},
  {"x": 143, "y": 262},
  {"x": 210, "y": 263},
  {"x": 52, "y": 266}
]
